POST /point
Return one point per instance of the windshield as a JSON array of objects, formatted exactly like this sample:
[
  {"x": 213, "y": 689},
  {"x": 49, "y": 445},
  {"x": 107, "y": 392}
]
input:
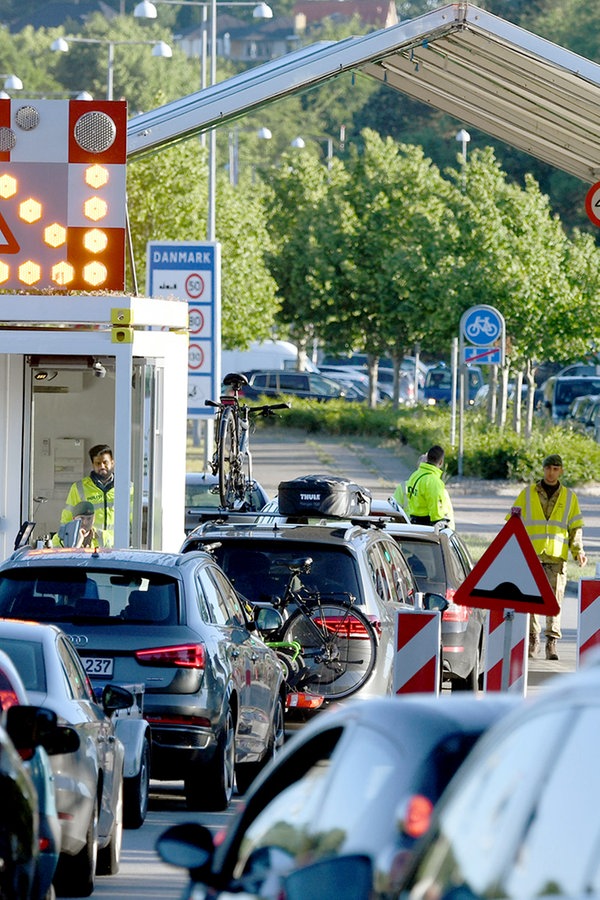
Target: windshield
[
  {"x": 65, "y": 594},
  {"x": 259, "y": 569}
]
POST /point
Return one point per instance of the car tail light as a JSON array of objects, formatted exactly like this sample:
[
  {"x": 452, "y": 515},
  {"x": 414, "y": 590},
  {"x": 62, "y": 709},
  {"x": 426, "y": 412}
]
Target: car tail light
[
  {"x": 304, "y": 700},
  {"x": 349, "y": 627},
  {"x": 455, "y": 611},
  {"x": 185, "y": 656},
  {"x": 185, "y": 721},
  {"x": 417, "y": 816},
  {"x": 8, "y": 698}
]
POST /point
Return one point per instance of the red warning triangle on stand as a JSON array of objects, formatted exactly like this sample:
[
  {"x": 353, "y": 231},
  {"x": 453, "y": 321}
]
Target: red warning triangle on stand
[
  {"x": 8, "y": 242},
  {"x": 509, "y": 576}
]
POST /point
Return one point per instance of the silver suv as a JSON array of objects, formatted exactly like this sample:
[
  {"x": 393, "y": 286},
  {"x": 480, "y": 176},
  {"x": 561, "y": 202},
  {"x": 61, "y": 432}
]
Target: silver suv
[
  {"x": 346, "y": 558},
  {"x": 214, "y": 692}
]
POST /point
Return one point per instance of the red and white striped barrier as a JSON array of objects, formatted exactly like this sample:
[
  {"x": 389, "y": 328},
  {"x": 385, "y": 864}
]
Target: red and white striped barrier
[
  {"x": 501, "y": 630},
  {"x": 588, "y": 626},
  {"x": 418, "y": 647}
]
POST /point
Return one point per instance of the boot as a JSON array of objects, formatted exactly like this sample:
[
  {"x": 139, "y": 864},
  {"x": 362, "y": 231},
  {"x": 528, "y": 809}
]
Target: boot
[
  {"x": 551, "y": 652},
  {"x": 534, "y": 645}
]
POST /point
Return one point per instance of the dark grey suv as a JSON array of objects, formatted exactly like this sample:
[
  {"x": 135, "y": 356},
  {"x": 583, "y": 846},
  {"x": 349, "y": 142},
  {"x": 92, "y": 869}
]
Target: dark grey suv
[{"x": 214, "y": 692}]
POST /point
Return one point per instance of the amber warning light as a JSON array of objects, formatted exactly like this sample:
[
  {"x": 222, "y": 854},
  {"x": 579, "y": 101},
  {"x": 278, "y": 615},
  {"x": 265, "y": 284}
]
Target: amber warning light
[{"x": 62, "y": 194}]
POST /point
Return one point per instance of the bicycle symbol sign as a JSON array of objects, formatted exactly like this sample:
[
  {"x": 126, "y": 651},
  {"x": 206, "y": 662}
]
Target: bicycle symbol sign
[{"x": 482, "y": 325}]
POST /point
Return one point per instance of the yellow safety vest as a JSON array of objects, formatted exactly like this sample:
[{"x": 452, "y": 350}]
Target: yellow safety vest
[{"x": 550, "y": 537}]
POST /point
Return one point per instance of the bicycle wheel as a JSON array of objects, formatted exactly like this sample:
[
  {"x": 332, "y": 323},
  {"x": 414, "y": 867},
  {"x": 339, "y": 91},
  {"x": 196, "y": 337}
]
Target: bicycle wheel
[
  {"x": 339, "y": 647},
  {"x": 228, "y": 459}
]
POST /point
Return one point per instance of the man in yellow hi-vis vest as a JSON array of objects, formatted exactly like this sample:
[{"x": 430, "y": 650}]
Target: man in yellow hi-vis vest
[
  {"x": 98, "y": 488},
  {"x": 554, "y": 523}
]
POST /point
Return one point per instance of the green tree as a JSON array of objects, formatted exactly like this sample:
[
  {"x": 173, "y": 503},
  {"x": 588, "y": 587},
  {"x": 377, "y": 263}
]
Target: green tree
[{"x": 167, "y": 198}]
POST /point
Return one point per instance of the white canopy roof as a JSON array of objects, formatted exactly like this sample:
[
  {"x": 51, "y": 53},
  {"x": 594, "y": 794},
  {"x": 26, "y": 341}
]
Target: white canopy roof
[{"x": 486, "y": 72}]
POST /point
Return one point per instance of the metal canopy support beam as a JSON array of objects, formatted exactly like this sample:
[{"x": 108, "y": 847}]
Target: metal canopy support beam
[{"x": 484, "y": 71}]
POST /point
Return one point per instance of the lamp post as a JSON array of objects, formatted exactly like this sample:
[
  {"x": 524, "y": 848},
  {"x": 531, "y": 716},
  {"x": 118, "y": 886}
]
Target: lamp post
[
  {"x": 11, "y": 83},
  {"x": 147, "y": 10},
  {"x": 263, "y": 134},
  {"x": 299, "y": 143},
  {"x": 61, "y": 45}
]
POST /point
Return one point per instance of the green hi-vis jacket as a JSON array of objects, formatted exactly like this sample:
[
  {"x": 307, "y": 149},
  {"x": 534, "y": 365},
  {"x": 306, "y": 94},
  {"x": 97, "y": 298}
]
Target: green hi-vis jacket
[
  {"x": 426, "y": 494},
  {"x": 554, "y": 523}
]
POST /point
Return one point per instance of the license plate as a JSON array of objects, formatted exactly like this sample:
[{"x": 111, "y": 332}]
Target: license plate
[{"x": 98, "y": 666}]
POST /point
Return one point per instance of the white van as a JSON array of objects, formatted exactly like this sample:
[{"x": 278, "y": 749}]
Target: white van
[{"x": 262, "y": 355}]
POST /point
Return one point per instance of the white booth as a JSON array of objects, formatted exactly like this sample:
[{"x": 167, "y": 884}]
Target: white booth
[{"x": 76, "y": 371}]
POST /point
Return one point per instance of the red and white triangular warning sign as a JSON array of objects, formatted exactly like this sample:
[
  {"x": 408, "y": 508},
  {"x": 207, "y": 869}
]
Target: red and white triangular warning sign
[
  {"x": 8, "y": 242},
  {"x": 509, "y": 576}
]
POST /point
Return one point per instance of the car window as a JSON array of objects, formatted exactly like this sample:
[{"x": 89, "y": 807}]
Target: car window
[
  {"x": 75, "y": 678},
  {"x": 28, "y": 659},
  {"x": 206, "y": 495},
  {"x": 258, "y": 569},
  {"x": 522, "y": 822},
  {"x": 380, "y": 574},
  {"x": 235, "y": 614},
  {"x": 426, "y": 563},
  {"x": 259, "y": 381},
  {"x": 323, "y": 387},
  {"x": 291, "y": 381},
  {"x": 461, "y": 555},
  {"x": 68, "y": 594}
]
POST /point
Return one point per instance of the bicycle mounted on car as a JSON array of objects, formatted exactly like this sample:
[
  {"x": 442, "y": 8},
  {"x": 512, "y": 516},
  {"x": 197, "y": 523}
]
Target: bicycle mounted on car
[{"x": 232, "y": 442}]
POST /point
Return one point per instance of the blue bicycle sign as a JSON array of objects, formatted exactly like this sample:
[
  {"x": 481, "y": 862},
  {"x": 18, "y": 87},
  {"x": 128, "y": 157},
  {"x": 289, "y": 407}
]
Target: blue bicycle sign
[{"x": 482, "y": 325}]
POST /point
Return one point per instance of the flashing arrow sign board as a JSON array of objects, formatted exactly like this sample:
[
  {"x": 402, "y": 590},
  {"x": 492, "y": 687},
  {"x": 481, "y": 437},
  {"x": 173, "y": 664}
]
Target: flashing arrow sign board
[
  {"x": 509, "y": 576},
  {"x": 491, "y": 356}
]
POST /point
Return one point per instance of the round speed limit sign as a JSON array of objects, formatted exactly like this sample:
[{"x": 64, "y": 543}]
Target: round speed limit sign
[{"x": 592, "y": 204}]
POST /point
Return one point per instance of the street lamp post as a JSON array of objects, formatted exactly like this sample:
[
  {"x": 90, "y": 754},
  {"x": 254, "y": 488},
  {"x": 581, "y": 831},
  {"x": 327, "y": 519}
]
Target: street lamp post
[
  {"x": 147, "y": 10},
  {"x": 11, "y": 83},
  {"x": 61, "y": 45}
]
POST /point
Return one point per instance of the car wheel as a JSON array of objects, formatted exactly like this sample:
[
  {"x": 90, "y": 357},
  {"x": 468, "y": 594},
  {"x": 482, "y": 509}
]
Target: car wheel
[
  {"x": 209, "y": 786},
  {"x": 75, "y": 875},
  {"x": 471, "y": 682},
  {"x": 135, "y": 793},
  {"x": 245, "y": 773},
  {"x": 109, "y": 857}
]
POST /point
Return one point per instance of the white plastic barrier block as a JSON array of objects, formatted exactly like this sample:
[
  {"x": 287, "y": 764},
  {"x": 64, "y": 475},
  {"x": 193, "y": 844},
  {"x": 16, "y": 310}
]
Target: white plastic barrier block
[
  {"x": 418, "y": 648},
  {"x": 588, "y": 626},
  {"x": 507, "y": 644}
]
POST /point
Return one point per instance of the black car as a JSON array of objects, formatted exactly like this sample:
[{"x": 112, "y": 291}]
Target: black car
[
  {"x": 203, "y": 503},
  {"x": 277, "y": 382},
  {"x": 440, "y": 562}
]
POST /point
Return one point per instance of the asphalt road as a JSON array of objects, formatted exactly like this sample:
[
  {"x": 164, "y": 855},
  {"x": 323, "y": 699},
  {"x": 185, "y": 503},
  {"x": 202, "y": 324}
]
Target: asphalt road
[{"x": 479, "y": 506}]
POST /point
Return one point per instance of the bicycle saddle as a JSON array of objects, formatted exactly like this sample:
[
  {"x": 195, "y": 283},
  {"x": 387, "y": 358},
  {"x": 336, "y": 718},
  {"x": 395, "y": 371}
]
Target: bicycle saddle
[{"x": 235, "y": 380}]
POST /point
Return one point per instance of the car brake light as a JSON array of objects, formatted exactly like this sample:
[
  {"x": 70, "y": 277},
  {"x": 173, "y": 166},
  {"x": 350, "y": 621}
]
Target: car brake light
[
  {"x": 418, "y": 815},
  {"x": 455, "y": 612},
  {"x": 186, "y": 656},
  {"x": 185, "y": 721},
  {"x": 350, "y": 626},
  {"x": 304, "y": 700}
]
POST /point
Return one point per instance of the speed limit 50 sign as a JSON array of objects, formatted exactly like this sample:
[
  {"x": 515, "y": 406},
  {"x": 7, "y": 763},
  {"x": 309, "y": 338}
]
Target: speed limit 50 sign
[{"x": 592, "y": 204}]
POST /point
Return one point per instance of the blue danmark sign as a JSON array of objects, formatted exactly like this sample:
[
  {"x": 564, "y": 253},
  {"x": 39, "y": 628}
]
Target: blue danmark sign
[{"x": 187, "y": 270}]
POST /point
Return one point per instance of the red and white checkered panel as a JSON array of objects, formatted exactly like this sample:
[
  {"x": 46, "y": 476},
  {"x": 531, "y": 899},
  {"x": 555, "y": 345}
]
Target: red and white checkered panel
[{"x": 62, "y": 195}]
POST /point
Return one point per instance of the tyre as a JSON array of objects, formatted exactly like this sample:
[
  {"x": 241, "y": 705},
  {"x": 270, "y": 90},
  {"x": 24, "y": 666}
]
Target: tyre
[
  {"x": 245, "y": 773},
  {"x": 470, "y": 683},
  {"x": 135, "y": 793},
  {"x": 339, "y": 648},
  {"x": 228, "y": 458},
  {"x": 209, "y": 786},
  {"x": 75, "y": 875},
  {"x": 291, "y": 667},
  {"x": 109, "y": 857}
]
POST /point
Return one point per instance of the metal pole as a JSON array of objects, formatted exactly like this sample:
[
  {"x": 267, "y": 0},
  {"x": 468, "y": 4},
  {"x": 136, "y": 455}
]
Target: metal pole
[
  {"x": 212, "y": 135},
  {"x": 454, "y": 367},
  {"x": 509, "y": 615},
  {"x": 461, "y": 416},
  {"x": 111, "y": 69}
]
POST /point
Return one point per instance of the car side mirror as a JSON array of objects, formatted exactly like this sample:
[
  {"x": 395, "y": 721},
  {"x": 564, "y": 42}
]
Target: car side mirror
[
  {"x": 435, "y": 601},
  {"x": 268, "y": 619},
  {"x": 188, "y": 846},
  {"x": 114, "y": 697}
]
